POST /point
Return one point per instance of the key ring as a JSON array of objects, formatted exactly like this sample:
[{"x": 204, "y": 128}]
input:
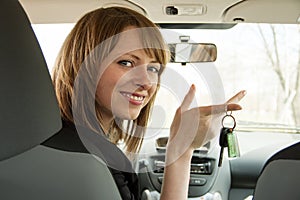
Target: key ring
[{"x": 229, "y": 115}]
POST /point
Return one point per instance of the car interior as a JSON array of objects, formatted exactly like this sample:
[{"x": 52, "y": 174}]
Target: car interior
[{"x": 248, "y": 44}]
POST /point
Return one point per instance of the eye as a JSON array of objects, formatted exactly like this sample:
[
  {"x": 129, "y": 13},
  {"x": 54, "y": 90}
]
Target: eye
[
  {"x": 125, "y": 63},
  {"x": 153, "y": 68}
]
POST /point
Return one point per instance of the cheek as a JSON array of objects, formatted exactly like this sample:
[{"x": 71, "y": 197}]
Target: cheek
[
  {"x": 153, "y": 89},
  {"x": 151, "y": 92},
  {"x": 153, "y": 78},
  {"x": 102, "y": 96}
]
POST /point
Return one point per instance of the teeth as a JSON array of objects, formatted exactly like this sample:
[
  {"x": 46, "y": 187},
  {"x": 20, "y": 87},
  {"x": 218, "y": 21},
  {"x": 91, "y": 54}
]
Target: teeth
[{"x": 136, "y": 98}]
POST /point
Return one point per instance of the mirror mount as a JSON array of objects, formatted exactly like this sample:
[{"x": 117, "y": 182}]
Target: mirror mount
[{"x": 184, "y": 38}]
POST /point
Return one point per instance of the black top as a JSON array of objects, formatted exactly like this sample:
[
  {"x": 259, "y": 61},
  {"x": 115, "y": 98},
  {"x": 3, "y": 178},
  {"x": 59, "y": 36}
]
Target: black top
[{"x": 79, "y": 139}]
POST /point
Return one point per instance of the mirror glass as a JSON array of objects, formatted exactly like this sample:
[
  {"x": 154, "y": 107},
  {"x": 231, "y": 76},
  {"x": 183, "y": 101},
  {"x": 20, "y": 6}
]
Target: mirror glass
[{"x": 192, "y": 52}]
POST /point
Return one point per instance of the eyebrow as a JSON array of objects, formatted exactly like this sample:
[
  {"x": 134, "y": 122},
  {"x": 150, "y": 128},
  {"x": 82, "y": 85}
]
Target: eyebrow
[{"x": 138, "y": 58}]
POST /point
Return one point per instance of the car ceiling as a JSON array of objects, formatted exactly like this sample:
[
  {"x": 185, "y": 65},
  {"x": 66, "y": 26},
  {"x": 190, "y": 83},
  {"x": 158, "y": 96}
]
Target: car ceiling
[{"x": 203, "y": 11}]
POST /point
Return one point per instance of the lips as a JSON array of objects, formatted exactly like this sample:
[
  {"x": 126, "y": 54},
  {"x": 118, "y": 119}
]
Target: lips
[{"x": 134, "y": 98}]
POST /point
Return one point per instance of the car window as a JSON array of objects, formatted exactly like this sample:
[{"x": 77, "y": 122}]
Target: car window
[
  {"x": 51, "y": 37},
  {"x": 263, "y": 59}
]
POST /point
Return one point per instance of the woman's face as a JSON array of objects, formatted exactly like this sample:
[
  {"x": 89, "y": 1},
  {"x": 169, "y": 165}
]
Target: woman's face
[{"x": 127, "y": 84}]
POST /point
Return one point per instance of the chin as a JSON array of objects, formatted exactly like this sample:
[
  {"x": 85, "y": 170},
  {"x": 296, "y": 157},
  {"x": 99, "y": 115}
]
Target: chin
[{"x": 127, "y": 116}]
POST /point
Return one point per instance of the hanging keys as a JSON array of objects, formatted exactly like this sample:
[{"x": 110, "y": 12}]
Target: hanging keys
[
  {"x": 223, "y": 143},
  {"x": 228, "y": 139}
]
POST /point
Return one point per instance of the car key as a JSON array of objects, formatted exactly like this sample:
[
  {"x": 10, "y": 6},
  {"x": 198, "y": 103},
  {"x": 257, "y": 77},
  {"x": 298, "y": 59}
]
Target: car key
[
  {"x": 228, "y": 139},
  {"x": 223, "y": 143}
]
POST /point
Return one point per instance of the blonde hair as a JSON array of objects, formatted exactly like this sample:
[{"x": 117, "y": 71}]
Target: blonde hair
[{"x": 92, "y": 29}]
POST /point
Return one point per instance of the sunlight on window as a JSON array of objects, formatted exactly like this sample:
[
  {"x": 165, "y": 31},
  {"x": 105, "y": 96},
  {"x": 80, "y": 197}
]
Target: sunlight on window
[{"x": 51, "y": 37}]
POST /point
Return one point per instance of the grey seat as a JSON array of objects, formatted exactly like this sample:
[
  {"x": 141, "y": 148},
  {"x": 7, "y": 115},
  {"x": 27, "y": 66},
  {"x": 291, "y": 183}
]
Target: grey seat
[
  {"x": 280, "y": 178},
  {"x": 29, "y": 115}
]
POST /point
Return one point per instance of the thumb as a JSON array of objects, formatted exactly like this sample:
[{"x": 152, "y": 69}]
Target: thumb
[
  {"x": 237, "y": 97},
  {"x": 188, "y": 99}
]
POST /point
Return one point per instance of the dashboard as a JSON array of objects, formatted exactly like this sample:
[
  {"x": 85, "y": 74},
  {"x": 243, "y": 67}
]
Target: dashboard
[{"x": 235, "y": 179}]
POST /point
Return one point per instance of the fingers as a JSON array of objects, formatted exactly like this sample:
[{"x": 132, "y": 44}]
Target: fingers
[
  {"x": 233, "y": 107},
  {"x": 221, "y": 108},
  {"x": 188, "y": 99},
  {"x": 236, "y": 98},
  {"x": 230, "y": 105}
]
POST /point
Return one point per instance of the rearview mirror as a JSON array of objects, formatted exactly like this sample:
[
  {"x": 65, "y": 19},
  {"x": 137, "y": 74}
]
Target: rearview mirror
[{"x": 192, "y": 52}]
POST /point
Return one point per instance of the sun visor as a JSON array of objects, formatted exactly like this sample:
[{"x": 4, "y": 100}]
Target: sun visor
[{"x": 267, "y": 11}]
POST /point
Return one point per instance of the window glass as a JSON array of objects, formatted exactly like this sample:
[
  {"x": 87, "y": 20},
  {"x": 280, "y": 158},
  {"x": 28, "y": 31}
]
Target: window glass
[
  {"x": 263, "y": 59},
  {"x": 51, "y": 37}
]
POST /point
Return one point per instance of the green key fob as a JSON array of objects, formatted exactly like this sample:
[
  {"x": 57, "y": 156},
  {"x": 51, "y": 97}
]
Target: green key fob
[{"x": 233, "y": 146}]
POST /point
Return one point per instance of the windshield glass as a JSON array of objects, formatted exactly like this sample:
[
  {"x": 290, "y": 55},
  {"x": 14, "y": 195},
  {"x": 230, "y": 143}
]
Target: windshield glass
[{"x": 263, "y": 59}]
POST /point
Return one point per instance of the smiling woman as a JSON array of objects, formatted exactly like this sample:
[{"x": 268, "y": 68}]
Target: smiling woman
[
  {"x": 100, "y": 85},
  {"x": 97, "y": 52}
]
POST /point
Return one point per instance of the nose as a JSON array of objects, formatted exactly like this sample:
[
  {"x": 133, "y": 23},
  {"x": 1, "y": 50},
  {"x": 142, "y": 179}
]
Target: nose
[{"x": 142, "y": 78}]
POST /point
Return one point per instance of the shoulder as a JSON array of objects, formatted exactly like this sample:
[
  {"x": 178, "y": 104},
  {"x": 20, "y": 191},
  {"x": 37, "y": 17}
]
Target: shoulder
[
  {"x": 83, "y": 140},
  {"x": 67, "y": 139}
]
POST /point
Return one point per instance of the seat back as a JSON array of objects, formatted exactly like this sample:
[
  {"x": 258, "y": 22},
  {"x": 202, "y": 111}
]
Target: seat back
[
  {"x": 29, "y": 115},
  {"x": 280, "y": 178},
  {"x": 28, "y": 109}
]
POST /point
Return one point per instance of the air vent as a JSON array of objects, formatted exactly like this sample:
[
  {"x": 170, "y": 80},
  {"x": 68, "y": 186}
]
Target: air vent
[{"x": 200, "y": 166}]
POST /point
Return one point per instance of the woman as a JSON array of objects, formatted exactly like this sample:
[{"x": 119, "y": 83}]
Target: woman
[{"x": 106, "y": 78}]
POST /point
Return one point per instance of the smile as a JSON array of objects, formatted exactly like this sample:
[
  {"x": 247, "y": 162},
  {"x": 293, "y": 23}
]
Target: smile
[{"x": 135, "y": 99}]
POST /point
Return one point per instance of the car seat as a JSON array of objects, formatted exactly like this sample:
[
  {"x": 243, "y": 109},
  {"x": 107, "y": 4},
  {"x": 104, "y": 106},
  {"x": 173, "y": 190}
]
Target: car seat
[
  {"x": 280, "y": 177},
  {"x": 29, "y": 115}
]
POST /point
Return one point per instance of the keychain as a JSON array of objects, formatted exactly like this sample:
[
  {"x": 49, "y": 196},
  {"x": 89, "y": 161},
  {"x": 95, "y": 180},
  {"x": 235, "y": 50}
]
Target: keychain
[{"x": 228, "y": 139}]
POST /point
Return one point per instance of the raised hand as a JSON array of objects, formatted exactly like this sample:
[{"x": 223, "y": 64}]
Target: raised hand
[{"x": 191, "y": 128}]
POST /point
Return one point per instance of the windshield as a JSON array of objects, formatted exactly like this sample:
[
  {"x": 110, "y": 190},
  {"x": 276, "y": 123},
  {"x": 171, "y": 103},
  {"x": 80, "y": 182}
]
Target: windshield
[{"x": 263, "y": 59}]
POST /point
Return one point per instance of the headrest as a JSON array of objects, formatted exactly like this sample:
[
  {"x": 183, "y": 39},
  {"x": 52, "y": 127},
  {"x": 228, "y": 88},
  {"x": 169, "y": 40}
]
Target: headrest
[{"x": 29, "y": 111}]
